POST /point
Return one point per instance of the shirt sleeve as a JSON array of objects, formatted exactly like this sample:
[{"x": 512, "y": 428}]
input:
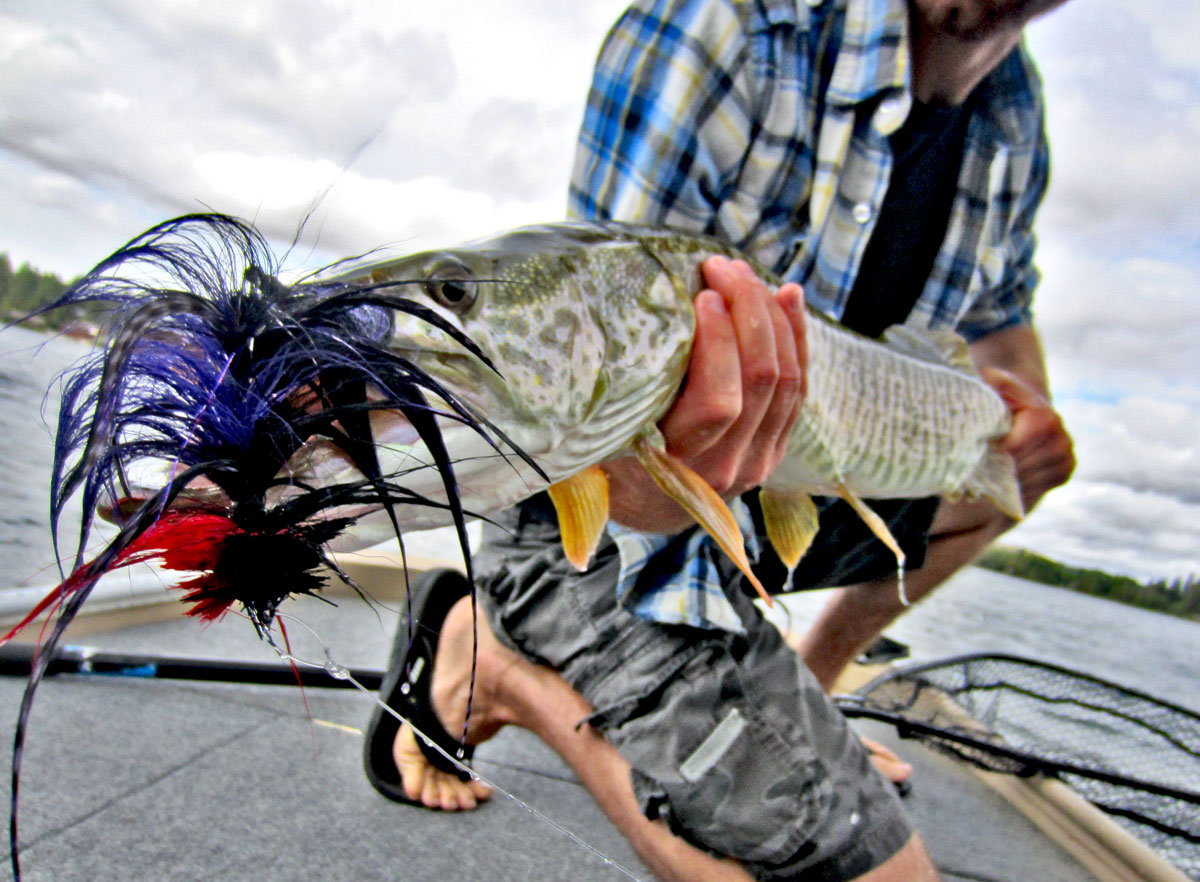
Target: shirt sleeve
[
  {"x": 668, "y": 117},
  {"x": 1011, "y": 301}
]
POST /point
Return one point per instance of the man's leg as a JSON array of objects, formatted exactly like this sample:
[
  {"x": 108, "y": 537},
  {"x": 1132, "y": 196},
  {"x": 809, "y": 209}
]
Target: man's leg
[
  {"x": 857, "y": 614},
  {"x": 511, "y": 690}
]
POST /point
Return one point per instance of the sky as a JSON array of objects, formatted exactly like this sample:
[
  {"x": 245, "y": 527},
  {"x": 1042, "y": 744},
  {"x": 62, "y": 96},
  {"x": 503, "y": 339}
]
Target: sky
[{"x": 419, "y": 124}]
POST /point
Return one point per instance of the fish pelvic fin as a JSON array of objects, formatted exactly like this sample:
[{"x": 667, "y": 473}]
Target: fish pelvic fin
[
  {"x": 702, "y": 502},
  {"x": 877, "y": 526},
  {"x": 995, "y": 478},
  {"x": 791, "y": 520},
  {"x": 581, "y": 502}
]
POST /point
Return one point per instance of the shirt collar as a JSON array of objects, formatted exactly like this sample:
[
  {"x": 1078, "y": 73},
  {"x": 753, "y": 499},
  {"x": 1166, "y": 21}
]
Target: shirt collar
[
  {"x": 762, "y": 15},
  {"x": 1010, "y": 99},
  {"x": 874, "y": 54},
  {"x": 875, "y": 59}
]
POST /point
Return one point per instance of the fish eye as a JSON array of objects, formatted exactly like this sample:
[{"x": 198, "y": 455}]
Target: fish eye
[{"x": 452, "y": 285}]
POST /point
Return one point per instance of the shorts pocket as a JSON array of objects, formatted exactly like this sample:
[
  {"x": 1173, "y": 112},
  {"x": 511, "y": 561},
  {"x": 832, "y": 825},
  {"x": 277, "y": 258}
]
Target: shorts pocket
[{"x": 721, "y": 773}]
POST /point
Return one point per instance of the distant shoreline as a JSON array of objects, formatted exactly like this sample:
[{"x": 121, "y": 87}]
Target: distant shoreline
[
  {"x": 1178, "y": 597},
  {"x": 25, "y": 290}
]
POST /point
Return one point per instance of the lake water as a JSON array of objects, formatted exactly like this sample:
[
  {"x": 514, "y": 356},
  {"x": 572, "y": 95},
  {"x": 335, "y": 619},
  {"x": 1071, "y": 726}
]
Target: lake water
[{"x": 977, "y": 611}]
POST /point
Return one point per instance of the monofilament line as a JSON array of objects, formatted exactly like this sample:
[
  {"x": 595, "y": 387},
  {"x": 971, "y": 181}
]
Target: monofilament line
[{"x": 341, "y": 672}]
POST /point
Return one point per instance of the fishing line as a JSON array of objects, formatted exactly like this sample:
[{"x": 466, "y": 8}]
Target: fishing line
[{"x": 341, "y": 672}]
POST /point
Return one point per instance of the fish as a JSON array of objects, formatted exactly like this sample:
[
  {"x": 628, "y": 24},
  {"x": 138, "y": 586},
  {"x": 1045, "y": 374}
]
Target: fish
[{"x": 587, "y": 329}]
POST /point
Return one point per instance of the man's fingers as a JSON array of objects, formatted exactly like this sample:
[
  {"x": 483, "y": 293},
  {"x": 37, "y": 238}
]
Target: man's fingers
[
  {"x": 712, "y": 394},
  {"x": 755, "y": 324},
  {"x": 791, "y": 299},
  {"x": 1038, "y": 441},
  {"x": 746, "y": 454},
  {"x": 745, "y": 378},
  {"x": 1017, "y": 394},
  {"x": 768, "y": 441},
  {"x": 793, "y": 362}
]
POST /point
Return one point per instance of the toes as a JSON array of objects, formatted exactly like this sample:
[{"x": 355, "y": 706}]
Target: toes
[
  {"x": 431, "y": 794},
  {"x": 482, "y": 792},
  {"x": 410, "y": 762},
  {"x": 430, "y": 786},
  {"x": 449, "y": 793},
  {"x": 464, "y": 798}
]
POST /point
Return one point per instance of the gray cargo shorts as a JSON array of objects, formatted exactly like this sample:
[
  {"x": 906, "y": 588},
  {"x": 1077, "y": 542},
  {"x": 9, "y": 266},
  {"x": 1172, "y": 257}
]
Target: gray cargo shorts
[{"x": 732, "y": 741}]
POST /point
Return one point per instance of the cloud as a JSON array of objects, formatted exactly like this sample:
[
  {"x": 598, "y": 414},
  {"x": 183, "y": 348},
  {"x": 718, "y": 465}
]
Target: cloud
[
  {"x": 151, "y": 103},
  {"x": 1141, "y": 443},
  {"x": 1123, "y": 88},
  {"x": 1119, "y": 329},
  {"x": 1115, "y": 528}
]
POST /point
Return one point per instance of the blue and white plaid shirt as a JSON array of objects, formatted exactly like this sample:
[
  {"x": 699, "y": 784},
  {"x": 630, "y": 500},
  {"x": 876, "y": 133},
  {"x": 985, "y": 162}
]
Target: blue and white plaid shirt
[{"x": 766, "y": 122}]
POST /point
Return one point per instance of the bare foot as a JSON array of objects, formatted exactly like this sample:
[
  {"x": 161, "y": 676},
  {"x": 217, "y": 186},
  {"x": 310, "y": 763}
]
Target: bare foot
[{"x": 450, "y": 690}]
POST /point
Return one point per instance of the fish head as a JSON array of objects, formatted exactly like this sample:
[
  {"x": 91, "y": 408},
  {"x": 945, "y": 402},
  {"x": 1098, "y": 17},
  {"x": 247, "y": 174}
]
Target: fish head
[{"x": 584, "y": 336}]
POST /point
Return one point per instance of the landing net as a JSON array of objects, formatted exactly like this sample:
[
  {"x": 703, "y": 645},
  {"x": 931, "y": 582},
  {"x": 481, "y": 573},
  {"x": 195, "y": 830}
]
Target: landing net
[{"x": 1133, "y": 756}]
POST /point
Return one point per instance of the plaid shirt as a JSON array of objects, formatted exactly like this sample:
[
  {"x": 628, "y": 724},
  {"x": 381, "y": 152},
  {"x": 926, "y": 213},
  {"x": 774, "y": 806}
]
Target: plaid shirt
[{"x": 766, "y": 122}]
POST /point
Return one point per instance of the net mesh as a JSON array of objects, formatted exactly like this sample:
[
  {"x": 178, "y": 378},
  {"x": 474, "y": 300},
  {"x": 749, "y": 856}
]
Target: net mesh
[{"x": 1134, "y": 756}]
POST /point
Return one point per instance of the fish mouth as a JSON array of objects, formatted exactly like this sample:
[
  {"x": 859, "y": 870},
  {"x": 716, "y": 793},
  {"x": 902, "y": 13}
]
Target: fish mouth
[{"x": 193, "y": 498}]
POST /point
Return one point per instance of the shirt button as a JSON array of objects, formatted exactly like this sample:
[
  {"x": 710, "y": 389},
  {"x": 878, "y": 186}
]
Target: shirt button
[
  {"x": 861, "y": 213},
  {"x": 813, "y": 3}
]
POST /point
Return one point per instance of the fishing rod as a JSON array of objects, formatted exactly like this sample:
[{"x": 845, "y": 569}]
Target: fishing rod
[{"x": 16, "y": 660}]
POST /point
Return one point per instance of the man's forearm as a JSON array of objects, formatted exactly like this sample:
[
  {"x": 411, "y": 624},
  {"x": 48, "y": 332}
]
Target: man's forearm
[
  {"x": 1016, "y": 349},
  {"x": 636, "y": 502}
]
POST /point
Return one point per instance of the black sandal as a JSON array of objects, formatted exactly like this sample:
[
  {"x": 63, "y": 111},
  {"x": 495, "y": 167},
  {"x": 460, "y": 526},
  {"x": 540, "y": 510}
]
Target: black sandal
[{"x": 405, "y": 689}]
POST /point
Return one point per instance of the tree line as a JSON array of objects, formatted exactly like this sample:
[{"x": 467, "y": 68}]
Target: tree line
[
  {"x": 25, "y": 290},
  {"x": 1177, "y": 597}
]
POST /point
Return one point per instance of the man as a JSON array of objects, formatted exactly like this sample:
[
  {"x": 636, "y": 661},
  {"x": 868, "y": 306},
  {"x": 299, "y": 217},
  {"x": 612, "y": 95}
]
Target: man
[{"x": 890, "y": 157}]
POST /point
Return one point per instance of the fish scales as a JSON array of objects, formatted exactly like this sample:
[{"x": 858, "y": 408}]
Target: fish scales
[{"x": 891, "y": 424}]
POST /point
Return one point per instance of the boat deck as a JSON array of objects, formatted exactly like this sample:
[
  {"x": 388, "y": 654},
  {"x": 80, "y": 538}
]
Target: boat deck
[{"x": 149, "y": 779}]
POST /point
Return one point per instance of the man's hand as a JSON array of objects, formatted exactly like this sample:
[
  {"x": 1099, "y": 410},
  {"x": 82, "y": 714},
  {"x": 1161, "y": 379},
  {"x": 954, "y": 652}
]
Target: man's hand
[
  {"x": 1038, "y": 440},
  {"x": 744, "y": 388}
]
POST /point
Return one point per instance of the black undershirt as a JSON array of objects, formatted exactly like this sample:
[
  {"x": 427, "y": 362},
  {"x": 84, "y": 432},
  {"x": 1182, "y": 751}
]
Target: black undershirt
[
  {"x": 912, "y": 223},
  {"x": 927, "y": 155}
]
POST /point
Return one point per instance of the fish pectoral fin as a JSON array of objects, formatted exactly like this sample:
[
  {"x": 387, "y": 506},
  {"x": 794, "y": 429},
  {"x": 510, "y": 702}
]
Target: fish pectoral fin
[
  {"x": 702, "y": 502},
  {"x": 581, "y": 502},
  {"x": 791, "y": 520},
  {"x": 877, "y": 526}
]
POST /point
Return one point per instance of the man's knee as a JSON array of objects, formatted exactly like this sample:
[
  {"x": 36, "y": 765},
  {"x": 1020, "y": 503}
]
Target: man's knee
[{"x": 968, "y": 525}]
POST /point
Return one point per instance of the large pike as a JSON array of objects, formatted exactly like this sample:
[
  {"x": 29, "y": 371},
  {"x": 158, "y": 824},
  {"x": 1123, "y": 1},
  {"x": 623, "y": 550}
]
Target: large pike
[{"x": 590, "y": 326}]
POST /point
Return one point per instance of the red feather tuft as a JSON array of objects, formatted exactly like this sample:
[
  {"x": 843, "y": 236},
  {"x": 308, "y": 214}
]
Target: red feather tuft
[
  {"x": 227, "y": 559},
  {"x": 182, "y": 541}
]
